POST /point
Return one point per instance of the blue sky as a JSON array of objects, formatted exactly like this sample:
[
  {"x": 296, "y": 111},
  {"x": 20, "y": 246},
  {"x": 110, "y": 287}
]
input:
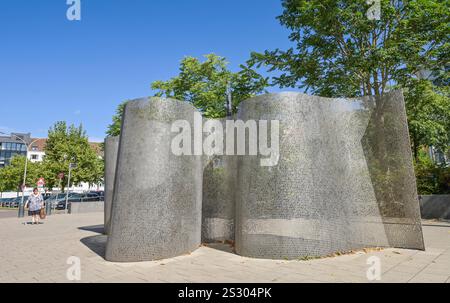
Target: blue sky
[{"x": 54, "y": 69}]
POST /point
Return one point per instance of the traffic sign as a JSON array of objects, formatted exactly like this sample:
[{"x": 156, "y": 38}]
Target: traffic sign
[{"x": 41, "y": 182}]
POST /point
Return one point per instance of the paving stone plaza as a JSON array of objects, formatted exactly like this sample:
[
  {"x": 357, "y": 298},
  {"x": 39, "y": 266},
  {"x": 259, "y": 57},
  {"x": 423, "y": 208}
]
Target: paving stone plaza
[{"x": 41, "y": 253}]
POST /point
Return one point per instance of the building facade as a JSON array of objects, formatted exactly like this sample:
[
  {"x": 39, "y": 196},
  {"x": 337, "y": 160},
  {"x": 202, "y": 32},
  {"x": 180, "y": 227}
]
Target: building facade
[
  {"x": 11, "y": 146},
  {"x": 36, "y": 152}
]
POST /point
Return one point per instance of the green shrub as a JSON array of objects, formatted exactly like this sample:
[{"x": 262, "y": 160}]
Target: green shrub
[{"x": 431, "y": 177}]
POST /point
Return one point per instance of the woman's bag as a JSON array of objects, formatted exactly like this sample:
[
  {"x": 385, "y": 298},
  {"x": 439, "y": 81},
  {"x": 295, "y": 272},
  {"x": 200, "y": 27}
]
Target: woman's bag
[{"x": 42, "y": 213}]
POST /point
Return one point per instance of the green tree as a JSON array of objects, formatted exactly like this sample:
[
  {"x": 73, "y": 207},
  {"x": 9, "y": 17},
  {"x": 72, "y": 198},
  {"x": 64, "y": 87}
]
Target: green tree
[
  {"x": 431, "y": 177},
  {"x": 340, "y": 52},
  {"x": 204, "y": 84},
  {"x": 70, "y": 145},
  {"x": 115, "y": 126},
  {"x": 428, "y": 109},
  {"x": 11, "y": 176},
  {"x": 2, "y": 182}
]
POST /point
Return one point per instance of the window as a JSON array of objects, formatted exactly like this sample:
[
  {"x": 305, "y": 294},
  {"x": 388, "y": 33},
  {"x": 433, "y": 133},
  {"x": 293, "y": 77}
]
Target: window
[
  {"x": 34, "y": 148},
  {"x": 34, "y": 157}
]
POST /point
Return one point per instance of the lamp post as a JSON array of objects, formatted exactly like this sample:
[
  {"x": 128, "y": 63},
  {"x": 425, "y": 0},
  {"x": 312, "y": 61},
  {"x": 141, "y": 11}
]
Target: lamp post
[
  {"x": 229, "y": 104},
  {"x": 71, "y": 165},
  {"x": 21, "y": 206}
]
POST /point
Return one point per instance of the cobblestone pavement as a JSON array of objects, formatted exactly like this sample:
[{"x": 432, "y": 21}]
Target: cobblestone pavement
[{"x": 31, "y": 253}]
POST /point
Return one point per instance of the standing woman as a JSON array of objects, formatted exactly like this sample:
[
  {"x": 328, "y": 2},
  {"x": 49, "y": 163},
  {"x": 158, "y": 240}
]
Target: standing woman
[{"x": 35, "y": 203}]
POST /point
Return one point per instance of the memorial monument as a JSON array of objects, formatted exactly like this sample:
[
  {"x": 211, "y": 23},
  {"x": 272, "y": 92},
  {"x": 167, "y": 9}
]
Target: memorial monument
[
  {"x": 156, "y": 208},
  {"x": 219, "y": 186},
  {"x": 343, "y": 180}
]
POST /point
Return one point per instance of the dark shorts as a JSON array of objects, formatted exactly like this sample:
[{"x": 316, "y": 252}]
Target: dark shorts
[{"x": 35, "y": 212}]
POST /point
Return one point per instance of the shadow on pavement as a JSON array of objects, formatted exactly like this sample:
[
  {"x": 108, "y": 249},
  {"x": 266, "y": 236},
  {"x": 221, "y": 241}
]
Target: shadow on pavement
[
  {"x": 99, "y": 229},
  {"x": 96, "y": 243},
  {"x": 225, "y": 247}
]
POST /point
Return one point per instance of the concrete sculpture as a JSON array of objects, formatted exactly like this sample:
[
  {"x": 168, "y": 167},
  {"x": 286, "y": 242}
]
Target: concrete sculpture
[
  {"x": 343, "y": 180},
  {"x": 218, "y": 207},
  {"x": 156, "y": 210},
  {"x": 111, "y": 150}
]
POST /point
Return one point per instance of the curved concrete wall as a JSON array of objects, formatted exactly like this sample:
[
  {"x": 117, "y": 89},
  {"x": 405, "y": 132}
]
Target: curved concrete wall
[
  {"x": 219, "y": 185},
  {"x": 344, "y": 179},
  {"x": 111, "y": 151},
  {"x": 218, "y": 210},
  {"x": 156, "y": 210}
]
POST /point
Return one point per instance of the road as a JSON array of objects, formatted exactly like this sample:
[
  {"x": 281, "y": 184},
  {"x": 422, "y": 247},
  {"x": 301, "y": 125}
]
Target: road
[{"x": 6, "y": 213}]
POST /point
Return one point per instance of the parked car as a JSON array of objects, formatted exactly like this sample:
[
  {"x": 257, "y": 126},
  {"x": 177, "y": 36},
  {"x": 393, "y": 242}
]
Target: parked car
[
  {"x": 75, "y": 197},
  {"x": 14, "y": 203},
  {"x": 8, "y": 202},
  {"x": 92, "y": 197},
  {"x": 55, "y": 198},
  {"x": 100, "y": 193},
  {"x": 5, "y": 202},
  {"x": 47, "y": 196}
]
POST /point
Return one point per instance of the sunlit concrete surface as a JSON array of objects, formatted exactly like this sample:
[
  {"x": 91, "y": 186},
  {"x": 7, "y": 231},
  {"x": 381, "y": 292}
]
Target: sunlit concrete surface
[{"x": 40, "y": 253}]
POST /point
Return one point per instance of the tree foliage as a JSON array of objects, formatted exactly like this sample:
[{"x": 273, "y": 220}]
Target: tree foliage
[
  {"x": 432, "y": 178},
  {"x": 11, "y": 176},
  {"x": 204, "y": 84},
  {"x": 339, "y": 51},
  {"x": 70, "y": 145},
  {"x": 115, "y": 127},
  {"x": 428, "y": 109}
]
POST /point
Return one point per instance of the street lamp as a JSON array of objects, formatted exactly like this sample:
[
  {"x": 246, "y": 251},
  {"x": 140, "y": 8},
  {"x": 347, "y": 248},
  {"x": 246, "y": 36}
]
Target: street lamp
[
  {"x": 21, "y": 206},
  {"x": 71, "y": 165},
  {"x": 229, "y": 104}
]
